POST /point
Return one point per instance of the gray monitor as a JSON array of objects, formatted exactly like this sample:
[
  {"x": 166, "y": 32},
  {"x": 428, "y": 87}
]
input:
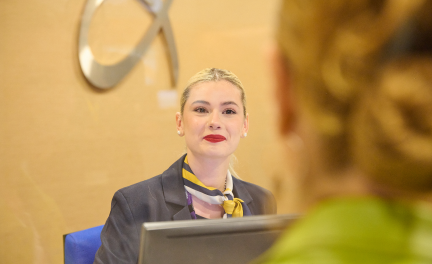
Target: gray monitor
[{"x": 234, "y": 240}]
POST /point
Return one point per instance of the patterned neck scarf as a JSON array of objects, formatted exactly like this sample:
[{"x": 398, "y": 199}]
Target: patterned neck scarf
[{"x": 232, "y": 206}]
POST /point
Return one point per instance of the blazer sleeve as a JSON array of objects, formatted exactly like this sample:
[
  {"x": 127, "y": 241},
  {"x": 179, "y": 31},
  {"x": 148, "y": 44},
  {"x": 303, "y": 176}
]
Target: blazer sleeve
[
  {"x": 264, "y": 201},
  {"x": 119, "y": 236},
  {"x": 271, "y": 207}
]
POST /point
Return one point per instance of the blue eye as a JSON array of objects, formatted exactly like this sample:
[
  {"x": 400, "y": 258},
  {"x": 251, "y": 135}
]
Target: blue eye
[{"x": 229, "y": 112}]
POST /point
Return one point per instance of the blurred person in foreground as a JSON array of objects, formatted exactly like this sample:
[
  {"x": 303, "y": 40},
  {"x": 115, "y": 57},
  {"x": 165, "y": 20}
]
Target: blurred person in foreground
[
  {"x": 200, "y": 184},
  {"x": 354, "y": 84}
]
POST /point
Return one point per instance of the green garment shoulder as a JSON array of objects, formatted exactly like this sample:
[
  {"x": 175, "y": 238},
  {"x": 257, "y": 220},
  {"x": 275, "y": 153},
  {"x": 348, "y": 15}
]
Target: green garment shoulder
[{"x": 357, "y": 230}]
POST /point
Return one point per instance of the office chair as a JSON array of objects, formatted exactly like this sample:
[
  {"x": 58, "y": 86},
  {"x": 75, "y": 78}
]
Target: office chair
[{"x": 80, "y": 247}]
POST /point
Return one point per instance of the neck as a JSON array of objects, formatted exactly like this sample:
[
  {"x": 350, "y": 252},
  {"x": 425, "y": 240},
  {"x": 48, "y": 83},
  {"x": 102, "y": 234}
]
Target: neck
[
  {"x": 210, "y": 171},
  {"x": 319, "y": 181}
]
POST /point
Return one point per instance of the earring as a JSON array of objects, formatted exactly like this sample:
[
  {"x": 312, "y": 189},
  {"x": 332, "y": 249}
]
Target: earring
[
  {"x": 178, "y": 132},
  {"x": 245, "y": 134}
]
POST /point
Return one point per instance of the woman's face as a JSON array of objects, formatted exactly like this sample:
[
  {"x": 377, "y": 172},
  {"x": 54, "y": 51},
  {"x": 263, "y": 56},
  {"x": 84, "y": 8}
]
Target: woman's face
[{"x": 213, "y": 121}]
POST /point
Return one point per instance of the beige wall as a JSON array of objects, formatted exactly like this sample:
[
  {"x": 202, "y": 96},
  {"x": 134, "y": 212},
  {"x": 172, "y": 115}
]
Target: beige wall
[{"x": 65, "y": 147}]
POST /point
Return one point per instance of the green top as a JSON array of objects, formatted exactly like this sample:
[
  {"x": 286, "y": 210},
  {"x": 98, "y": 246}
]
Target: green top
[{"x": 357, "y": 230}]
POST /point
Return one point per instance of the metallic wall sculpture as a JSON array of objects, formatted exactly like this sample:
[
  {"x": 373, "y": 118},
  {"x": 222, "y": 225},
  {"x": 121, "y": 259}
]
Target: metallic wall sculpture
[{"x": 107, "y": 76}]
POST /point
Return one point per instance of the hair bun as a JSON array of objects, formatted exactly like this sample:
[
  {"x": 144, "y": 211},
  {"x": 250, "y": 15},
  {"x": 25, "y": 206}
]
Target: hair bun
[{"x": 394, "y": 137}]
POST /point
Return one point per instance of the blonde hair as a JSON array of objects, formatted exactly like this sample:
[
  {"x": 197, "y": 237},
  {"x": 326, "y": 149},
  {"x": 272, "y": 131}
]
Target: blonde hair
[
  {"x": 362, "y": 71},
  {"x": 215, "y": 75}
]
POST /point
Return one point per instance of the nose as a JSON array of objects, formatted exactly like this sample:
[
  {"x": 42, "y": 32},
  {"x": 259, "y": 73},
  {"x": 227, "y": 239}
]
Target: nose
[{"x": 214, "y": 120}]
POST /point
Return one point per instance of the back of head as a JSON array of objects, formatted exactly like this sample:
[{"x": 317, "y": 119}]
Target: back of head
[{"x": 362, "y": 72}]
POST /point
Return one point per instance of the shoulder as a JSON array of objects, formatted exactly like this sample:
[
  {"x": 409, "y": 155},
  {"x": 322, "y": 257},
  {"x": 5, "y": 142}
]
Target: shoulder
[
  {"x": 255, "y": 188},
  {"x": 140, "y": 188},
  {"x": 262, "y": 198},
  {"x": 152, "y": 193},
  {"x": 136, "y": 198},
  {"x": 155, "y": 185}
]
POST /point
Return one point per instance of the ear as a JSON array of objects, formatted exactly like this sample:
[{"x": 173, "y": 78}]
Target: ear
[
  {"x": 179, "y": 123},
  {"x": 283, "y": 92},
  {"x": 245, "y": 125}
]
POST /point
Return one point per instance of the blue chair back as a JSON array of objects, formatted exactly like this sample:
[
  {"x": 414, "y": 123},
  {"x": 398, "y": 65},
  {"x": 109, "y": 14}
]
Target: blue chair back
[{"x": 80, "y": 247}]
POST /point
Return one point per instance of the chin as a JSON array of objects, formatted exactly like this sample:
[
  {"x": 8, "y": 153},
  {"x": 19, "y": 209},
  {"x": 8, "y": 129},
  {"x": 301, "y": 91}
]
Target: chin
[{"x": 215, "y": 153}]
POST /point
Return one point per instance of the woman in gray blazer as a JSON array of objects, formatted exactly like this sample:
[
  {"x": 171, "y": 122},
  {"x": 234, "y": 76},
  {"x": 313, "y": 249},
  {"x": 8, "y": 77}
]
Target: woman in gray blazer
[{"x": 200, "y": 185}]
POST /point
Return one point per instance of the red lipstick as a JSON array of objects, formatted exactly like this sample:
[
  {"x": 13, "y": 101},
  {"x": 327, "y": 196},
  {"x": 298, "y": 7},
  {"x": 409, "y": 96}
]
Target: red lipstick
[{"x": 214, "y": 138}]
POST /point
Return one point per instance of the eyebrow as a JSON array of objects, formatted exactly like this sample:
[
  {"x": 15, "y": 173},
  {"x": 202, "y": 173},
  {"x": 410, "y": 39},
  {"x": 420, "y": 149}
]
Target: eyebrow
[
  {"x": 229, "y": 103},
  {"x": 201, "y": 102},
  {"x": 207, "y": 103}
]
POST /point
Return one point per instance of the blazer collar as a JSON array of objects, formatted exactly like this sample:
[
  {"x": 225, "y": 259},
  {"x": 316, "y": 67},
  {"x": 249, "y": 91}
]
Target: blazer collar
[
  {"x": 174, "y": 191},
  {"x": 240, "y": 191},
  {"x": 172, "y": 182}
]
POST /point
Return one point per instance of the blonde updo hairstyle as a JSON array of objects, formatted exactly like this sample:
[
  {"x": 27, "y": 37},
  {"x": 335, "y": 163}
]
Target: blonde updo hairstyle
[
  {"x": 362, "y": 72},
  {"x": 215, "y": 75}
]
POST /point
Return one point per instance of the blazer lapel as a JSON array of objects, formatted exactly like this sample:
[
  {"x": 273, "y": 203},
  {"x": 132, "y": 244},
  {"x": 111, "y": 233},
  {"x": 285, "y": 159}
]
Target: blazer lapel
[
  {"x": 174, "y": 191},
  {"x": 241, "y": 192},
  {"x": 183, "y": 214}
]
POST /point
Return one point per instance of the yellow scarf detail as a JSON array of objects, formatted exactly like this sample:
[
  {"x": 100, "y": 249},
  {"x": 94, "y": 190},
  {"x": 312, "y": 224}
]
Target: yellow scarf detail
[
  {"x": 233, "y": 207},
  {"x": 211, "y": 195}
]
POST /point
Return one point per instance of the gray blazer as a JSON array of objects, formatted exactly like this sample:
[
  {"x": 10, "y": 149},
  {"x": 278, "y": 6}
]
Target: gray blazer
[{"x": 161, "y": 198}]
